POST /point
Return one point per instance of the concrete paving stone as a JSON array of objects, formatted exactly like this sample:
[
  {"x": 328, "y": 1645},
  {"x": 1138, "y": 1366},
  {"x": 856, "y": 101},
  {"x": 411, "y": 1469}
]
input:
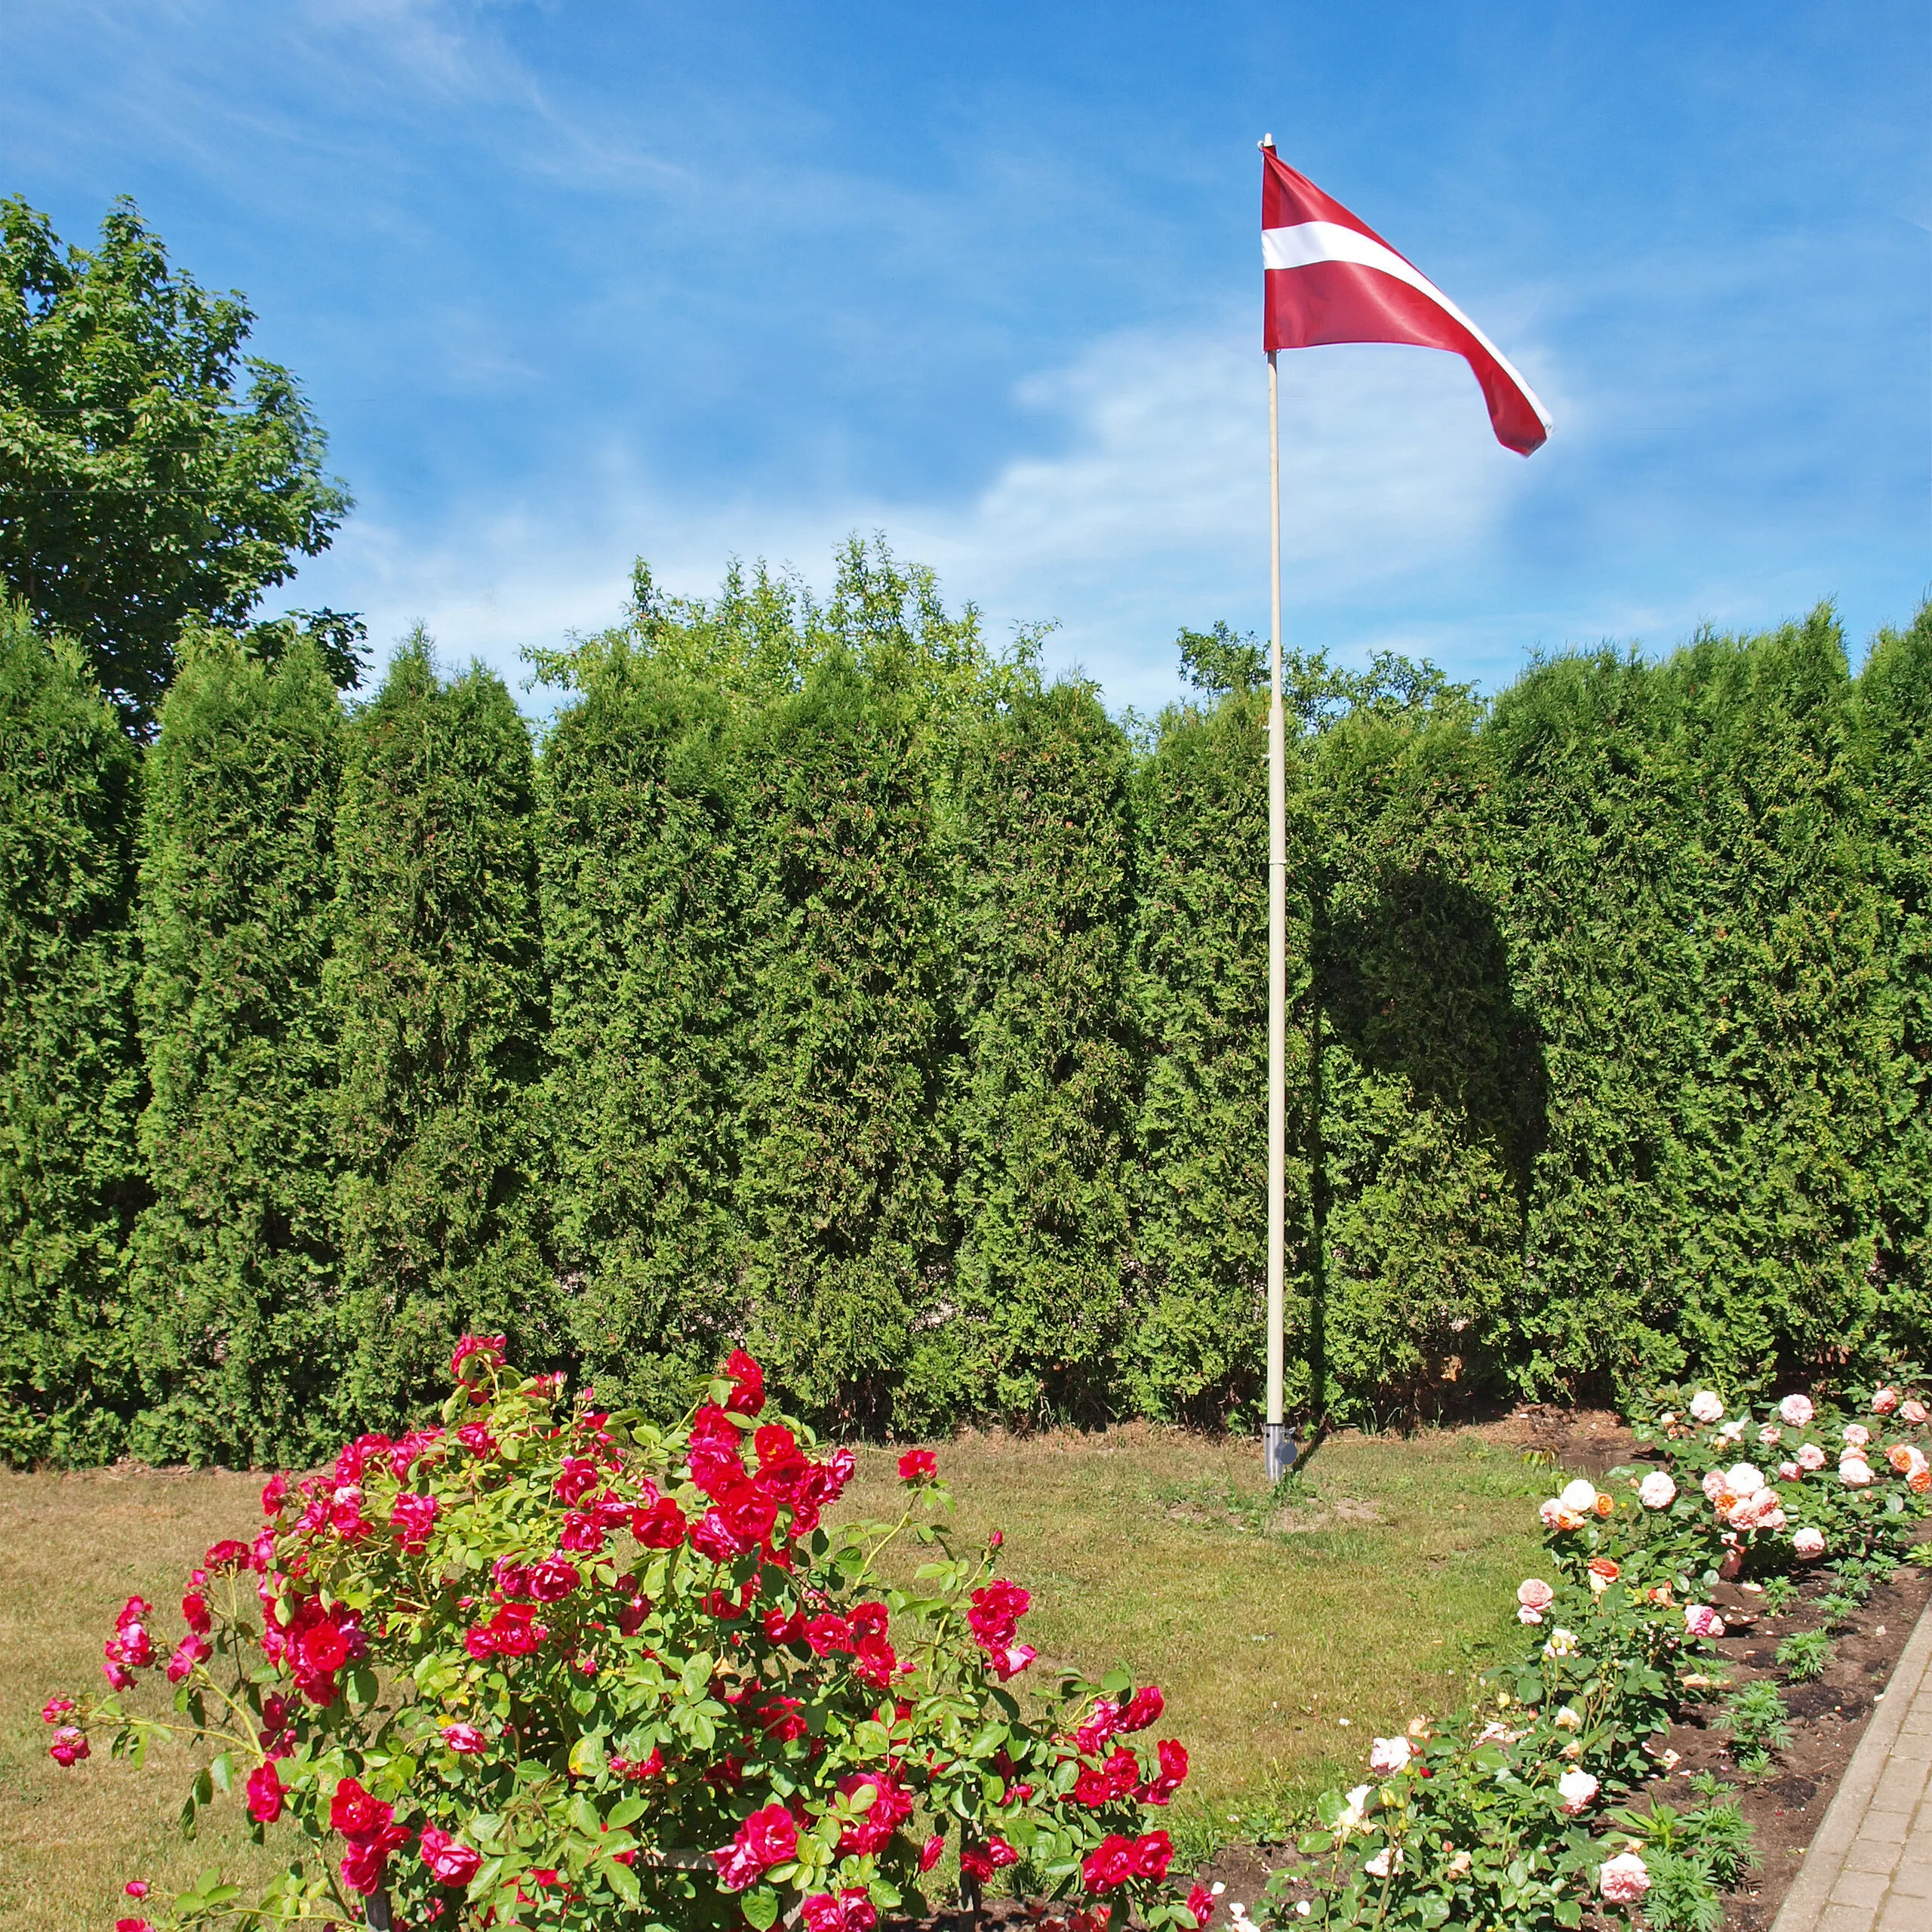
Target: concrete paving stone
[
  {"x": 1904, "y": 1915},
  {"x": 1913, "y": 1878},
  {"x": 1862, "y": 1888},
  {"x": 1901, "y": 1789},
  {"x": 1886, "y": 1827},
  {"x": 1872, "y": 1855},
  {"x": 1847, "y": 1918}
]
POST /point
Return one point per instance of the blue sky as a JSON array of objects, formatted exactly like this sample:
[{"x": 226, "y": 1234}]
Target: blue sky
[{"x": 572, "y": 282}]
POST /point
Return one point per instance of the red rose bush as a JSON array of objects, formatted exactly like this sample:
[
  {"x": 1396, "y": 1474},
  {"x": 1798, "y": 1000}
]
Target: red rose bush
[{"x": 543, "y": 1666}]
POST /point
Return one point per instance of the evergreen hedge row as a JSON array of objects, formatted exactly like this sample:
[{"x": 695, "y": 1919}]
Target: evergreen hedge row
[{"x": 829, "y": 980}]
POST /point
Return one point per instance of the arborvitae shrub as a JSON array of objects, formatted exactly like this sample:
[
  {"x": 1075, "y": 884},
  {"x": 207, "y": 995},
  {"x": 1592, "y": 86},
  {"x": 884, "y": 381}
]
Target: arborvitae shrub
[
  {"x": 647, "y": 888},
  {"x": 1598, "y": 874},
  {"x": 236, "y": 1256},
  {"x": 1192, "y": 1344},
  {"x": 1043, "y": 1109},
  {"x": 437, "y": 981},
  {"x": 1893, "y": 711},
  {"x": 1428, "y": 1077},
  {"x": 1781, "y": 1112},
  {"x": 69, "y": 1067},
  {"x": 843, "y": 1188}
]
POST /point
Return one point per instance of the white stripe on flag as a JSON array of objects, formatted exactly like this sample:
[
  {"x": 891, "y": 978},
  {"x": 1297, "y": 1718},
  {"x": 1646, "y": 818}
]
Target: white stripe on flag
[{"x": 1308, "y": 242}]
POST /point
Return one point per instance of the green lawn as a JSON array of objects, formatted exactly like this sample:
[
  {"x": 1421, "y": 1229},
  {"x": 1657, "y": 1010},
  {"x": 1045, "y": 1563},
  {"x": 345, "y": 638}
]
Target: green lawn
[{"x": 1385, "y": 1579}]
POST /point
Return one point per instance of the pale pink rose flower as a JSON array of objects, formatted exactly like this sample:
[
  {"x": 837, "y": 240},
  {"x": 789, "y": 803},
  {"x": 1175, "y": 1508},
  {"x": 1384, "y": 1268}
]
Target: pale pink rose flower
[
  {"x": 1885, "y": 1401},
  {"x": 1391, "y": 1755},
  {"x": 1743, "y": 1478},
  {"x": 1811, "y": 1456},
  {"x": 1576, "y": 1788},
  {"x": 1855, "y": 1472},
  {"x": 1706, "y": 1405},
  {"x": 1551, "y": 1513},
  {"x": 1770, "y": 1435},
  {"x": 1533, "y": 1593},
  {"x": 1732, "y": 1430},
  {"x": 1624, "y": 1879},
  {"x": 1657, "y": 1490},
  {"x": 1857, "y": 1435},
  {"x": 1378, "y": 1867},
  {"x": 1580, "y": 1496},
  {"x": 1808, "y": 1543},
  {"x": 1913, "y": 1412},
  {"x": 1713, "y": 1484},
  {"x": 1797, "y": 1411},
  {"x": 1789, "y": 1472},
  {"x": 1526, "y": 1615},
  {"x": 1701, "y": 1620}
]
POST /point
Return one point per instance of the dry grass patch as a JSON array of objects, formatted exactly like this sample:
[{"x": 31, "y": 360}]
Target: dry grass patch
[{"x": 1367, "y": 1590}]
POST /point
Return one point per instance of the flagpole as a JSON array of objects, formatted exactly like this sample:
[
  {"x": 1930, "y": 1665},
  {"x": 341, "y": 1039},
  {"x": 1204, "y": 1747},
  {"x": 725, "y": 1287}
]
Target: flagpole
[{"x": 1277, "y": 1451}]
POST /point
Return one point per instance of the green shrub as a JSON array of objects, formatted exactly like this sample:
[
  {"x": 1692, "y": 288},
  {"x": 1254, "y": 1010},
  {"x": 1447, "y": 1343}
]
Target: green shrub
[
  {"x": 1894, "y": 701},
  {"x": 1043, "y": 1082},
  {"x": 1191, "y": 1347},
  {"x": 236, "y": 1257},
  {"x": 70, "y": 1082},
  {"x": 844, "y": 1184},
  {"x": 437, "y": 983},
  {"x": 647, "y": 890}
]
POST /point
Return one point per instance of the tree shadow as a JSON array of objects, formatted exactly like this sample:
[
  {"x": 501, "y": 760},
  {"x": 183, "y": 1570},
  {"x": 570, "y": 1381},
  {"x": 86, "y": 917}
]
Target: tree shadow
[{"x": 1416, "y": 982}]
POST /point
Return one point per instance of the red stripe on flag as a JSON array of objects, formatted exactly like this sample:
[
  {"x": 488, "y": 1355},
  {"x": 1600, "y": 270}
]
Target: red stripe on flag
[{"x": 1332, "y": 301}]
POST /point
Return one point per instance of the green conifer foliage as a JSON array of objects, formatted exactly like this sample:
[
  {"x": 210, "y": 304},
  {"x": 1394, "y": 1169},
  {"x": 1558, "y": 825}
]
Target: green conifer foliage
[
  {"x": 646, "y": 888},
  {"x": 844, "y": 1185},
  {"x": 1193, "y": 1344},
  {"x": 1427, "y": 1074},
  {"x": 236, "y": 1269},
  {"x": 1043, "y": 1111},
  {"x": 1894, "y": 707},
  {"x": 1600, "y": 877},
  {"x": 437, "y": 982},
  {"x": 1782, "y": 1112},
  {"x": 70, "y": 1182}
]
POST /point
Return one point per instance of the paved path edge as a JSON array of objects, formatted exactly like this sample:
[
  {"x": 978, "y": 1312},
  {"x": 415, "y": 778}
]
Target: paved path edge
[{"x": 1811, "y": 1890}]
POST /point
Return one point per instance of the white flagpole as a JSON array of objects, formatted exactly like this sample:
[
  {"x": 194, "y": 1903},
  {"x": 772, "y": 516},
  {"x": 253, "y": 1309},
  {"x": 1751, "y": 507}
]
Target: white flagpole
[{"x": 1278, "y": 1451}]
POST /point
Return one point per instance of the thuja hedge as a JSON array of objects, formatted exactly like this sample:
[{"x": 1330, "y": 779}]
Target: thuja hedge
[{"x": 827, "y": 979}]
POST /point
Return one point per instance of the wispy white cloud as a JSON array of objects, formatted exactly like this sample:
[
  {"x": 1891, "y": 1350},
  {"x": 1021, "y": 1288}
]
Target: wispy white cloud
[{"x": 1143, "y": 506}]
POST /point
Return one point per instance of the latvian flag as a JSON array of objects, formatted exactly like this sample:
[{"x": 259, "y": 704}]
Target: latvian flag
[{"x": 1330, "y": 277}]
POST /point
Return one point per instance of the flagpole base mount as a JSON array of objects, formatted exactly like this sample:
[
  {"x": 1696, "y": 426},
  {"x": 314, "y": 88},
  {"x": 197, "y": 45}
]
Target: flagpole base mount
[{"x": 1278, "y": 1449}]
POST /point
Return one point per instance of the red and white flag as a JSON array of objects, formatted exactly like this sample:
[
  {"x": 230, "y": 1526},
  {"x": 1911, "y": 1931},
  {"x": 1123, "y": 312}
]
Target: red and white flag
[{"x": 1330, "y": 277}]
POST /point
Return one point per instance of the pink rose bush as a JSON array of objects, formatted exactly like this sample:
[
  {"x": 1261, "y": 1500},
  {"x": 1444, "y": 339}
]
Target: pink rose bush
[
  {"x": 1500, "y": 1813},
  {"x": 546, "y": 1664}
]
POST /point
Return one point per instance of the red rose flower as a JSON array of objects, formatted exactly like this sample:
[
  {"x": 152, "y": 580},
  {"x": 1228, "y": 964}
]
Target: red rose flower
[
  {"x": 451, "y": 1862},
  {"x": 354, "y": 1813},
  {"x": 661, "y": 1526},
  {"x": 489, "y": 1348},
  {"x": 553, "y": 1579},
  {"x": 1109, "y": 1865},
  {"x": 917, "y": 1466},
  {"x": 264, "y": 1794},
  {"x": 747, "y": 1379}
]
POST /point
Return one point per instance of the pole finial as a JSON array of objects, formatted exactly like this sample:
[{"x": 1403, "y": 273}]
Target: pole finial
[{"x": 1266, "y": 141}]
